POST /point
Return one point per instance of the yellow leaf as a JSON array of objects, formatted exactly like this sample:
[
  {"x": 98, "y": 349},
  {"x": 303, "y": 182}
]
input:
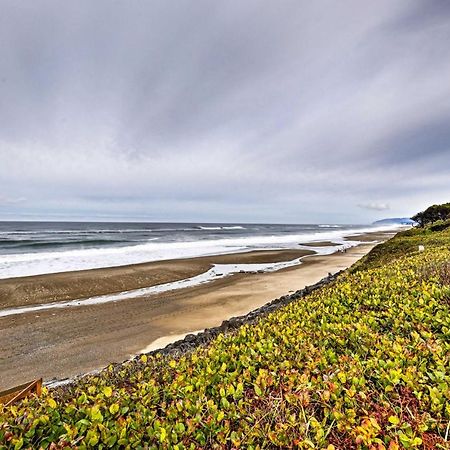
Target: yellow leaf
[
  {"x": 114, "y": 408},
  {"x": 107, "y": 390},
  {"x": 394, "y": 420}
]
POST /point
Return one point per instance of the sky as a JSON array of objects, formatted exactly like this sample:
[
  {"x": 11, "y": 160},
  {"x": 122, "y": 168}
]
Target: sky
[{"x": 226, "y": 111}]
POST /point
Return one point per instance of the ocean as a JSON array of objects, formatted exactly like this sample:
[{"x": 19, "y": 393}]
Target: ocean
[{"x": 32, "y": 248}]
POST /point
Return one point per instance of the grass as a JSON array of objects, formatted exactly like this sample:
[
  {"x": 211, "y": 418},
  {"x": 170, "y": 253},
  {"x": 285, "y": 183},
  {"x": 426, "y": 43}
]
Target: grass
[{"x": 363, "y": 363}]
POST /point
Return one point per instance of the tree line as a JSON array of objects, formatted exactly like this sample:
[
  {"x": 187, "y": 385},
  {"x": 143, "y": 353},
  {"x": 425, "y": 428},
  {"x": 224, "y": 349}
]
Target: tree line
[{"x": 433, "y": 214}]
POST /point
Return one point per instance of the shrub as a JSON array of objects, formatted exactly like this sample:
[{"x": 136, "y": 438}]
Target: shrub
[{"x": 363, "y": 363}]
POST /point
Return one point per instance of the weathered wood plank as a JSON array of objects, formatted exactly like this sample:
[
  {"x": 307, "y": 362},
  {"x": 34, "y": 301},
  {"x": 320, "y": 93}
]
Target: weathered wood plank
[{"x": 17, "y": 393}]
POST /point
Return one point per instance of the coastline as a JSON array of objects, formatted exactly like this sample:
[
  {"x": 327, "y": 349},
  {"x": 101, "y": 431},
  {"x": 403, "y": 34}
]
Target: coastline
[
  {"x": 64, "y": 286},
  {"x": 79, "y": 340}
]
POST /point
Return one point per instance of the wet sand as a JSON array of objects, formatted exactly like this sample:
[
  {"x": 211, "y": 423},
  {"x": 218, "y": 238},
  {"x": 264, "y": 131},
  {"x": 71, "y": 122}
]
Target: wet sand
[
  {"x": 321, "y": 244},
  {"x": 67, "y": 342},
  {"x": 370, "y": 237},
  {"x": 41, "y": 289}
]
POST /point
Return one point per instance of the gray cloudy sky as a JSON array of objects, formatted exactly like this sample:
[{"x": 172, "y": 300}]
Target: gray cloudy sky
[{"x": 270, "y": 111}]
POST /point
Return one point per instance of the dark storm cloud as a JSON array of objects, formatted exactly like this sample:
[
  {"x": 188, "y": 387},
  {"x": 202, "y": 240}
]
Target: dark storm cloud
[
  {"x": 420, "y": 142},
  {"x": 199, "y": 110}
]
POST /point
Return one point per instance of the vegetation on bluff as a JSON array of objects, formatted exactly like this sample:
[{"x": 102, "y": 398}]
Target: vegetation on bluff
[
  {"x": 405, "y": 243},
  {"x": 362, "y": 363},
  {"x": 432, "y": 215}
]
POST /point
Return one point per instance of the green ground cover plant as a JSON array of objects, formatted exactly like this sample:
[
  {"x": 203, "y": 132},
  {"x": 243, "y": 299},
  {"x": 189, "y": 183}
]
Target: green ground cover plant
[{"x": 363, "y": 363}]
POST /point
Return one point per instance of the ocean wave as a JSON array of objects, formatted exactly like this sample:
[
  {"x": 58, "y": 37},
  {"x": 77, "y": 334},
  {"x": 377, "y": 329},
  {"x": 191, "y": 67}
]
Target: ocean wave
[
  {"x": 86, "y": 232},
  {"x": 18, "y": 243},
  {"x": 329, "y": 226},
  {"x": 233, "y": 227}
]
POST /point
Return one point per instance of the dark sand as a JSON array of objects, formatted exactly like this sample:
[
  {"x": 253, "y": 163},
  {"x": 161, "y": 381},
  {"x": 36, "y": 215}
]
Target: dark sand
[
  {"x": 60, "y": 343},
  {"x": 321, "y": 244},
  {"x": 371, "y": 237}
]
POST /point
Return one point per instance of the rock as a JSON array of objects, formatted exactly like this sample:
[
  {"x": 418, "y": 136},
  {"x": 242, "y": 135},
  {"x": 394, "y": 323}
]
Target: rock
[{"x": 190, "y": 337}]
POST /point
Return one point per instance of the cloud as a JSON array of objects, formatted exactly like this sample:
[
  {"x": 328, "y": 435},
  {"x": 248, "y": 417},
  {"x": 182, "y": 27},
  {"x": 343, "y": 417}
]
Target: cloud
[
  {"x": 11, "y": 200},
  {"x": 234, "y": 111},
  {"x": 375, "y": 206}
]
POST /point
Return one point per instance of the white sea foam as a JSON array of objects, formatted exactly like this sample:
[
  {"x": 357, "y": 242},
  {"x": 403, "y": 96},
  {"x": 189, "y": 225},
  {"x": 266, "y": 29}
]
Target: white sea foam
[
  {"x": 26, "y": 264},
  {"x": 231, "y": 227}
]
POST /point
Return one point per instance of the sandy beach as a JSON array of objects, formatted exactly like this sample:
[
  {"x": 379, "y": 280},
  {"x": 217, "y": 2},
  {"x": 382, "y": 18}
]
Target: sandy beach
[
  {"x": 61, "y": 343},
  {"x": 64, "y": 286}
]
